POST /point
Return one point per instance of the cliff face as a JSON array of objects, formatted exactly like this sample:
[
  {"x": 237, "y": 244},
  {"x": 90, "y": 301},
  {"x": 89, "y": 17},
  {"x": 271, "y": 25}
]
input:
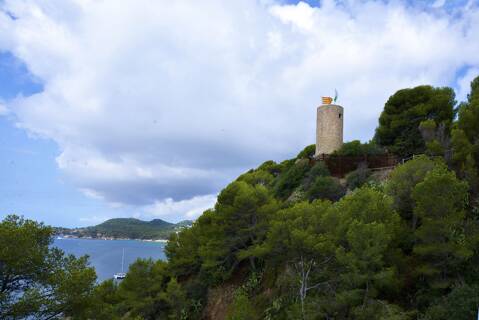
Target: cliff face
[{"x": 219, "y": 300}]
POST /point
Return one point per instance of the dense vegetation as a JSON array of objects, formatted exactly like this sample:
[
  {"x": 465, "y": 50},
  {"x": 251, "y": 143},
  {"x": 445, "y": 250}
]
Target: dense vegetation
[
  {"x": 400, "y": 122},
  {"x": 36, "y": 281},
  {"x": 127, "y": 228},
  {"x": 288, "y": 241}
]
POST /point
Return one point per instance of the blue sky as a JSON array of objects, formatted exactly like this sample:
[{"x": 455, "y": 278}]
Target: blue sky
[
  {"x": 151, "y": 114},
  {"x": 31, "y": 184}
]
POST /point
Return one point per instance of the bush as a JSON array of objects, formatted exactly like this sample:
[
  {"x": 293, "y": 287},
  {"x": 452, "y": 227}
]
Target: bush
[
  {"x": 404, "y": 178},
  {"x": 358, "y": 177},
  {"x": 272, "y": 167},
  {"x": 291, "y": 178},
  {"x": 326, "y": 188},
  {"x": 356, "y": 148},
  {"x": 307, "y": 152},
  {"x": 242, "y": 308},
  {"x": 318, "y": 170}
]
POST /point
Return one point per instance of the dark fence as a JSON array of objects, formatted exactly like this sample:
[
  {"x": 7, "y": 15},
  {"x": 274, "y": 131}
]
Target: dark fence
[{"x": 339, "y": 166}]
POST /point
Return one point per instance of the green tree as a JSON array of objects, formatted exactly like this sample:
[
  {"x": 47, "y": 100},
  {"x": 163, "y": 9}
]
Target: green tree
[
  {"x": 182, "y": 251},
  {"x": 465, "y": 138},
  {"x": 398, "y": 128},
  {"x": 297, "y": 238},
  {"x": 257, "y": 176},
  {"x": 460, "y": 304},
  {"x": 441, "y": 243},
  {"x": 326, "y": 188},
  {"x": 105, "y": 301},
  {"x": 143, "y": 292},
  {"x": 291, "y": 178},
  {"x": 318, "y": 170},
  {"x": 37, "y": 280},
  {"x": 307, "y": 152},
  {"x": 239, "y": 221},
  {"x": 401, "y": 183},
  {"x": 436, "y": 138},
  {"x": 364, "y": 228}
]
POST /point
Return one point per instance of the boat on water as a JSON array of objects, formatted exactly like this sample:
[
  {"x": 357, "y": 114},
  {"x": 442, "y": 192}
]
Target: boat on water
[{"x": 121, "y": 275}]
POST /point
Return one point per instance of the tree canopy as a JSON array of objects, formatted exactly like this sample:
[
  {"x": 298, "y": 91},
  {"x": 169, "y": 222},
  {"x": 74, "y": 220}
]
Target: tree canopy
[
  {"x": 36, "y": 280},
  {"x": 398, "y": 129}
]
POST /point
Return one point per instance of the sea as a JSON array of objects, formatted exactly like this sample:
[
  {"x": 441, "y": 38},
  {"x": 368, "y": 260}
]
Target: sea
[{"x": 106, "y": 255}]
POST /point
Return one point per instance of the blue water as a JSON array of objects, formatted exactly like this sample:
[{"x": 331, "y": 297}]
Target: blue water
[{"x": 105, "y": 255}]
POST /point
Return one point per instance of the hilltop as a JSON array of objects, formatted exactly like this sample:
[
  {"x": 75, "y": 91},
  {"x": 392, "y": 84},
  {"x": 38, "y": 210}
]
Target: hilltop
[
  {"x": 297, "y": 240},
  {"x": 127, "y": 228}
]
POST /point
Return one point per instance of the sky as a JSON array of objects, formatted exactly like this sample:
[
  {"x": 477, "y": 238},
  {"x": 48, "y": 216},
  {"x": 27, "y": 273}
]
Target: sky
[{"x": 147, "y": 109}]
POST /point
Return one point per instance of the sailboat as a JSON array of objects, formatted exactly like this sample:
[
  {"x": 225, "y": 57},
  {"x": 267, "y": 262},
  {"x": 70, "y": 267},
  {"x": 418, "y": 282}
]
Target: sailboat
[{"x": 121, "y": 275}]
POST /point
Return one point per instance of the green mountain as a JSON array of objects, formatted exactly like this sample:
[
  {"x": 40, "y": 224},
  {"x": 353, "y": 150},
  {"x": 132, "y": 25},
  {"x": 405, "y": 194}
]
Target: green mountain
[{"x": 127, "y": 228}]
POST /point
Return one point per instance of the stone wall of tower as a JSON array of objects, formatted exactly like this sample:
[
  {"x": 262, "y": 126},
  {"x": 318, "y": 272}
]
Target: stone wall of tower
[{"x": 329, "y": 128}]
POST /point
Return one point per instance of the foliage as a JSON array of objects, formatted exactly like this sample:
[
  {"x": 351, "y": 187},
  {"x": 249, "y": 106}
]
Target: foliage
[
  {"x": 297, "y": 238},
  {"x": 242, "y": 307},
  {"x": 465, "y": 139},
  {"x": 307, "y": 152},
  {"x": 319, "y": 169},
  {"x": 436, "y": 139},
  {"x": 358, "y": 177},
  {"x": 398, "y": 129},
  {"x": 326, "y": 188},
  {"x": 402, "y": 181},
  {"x": 460, "y": 304},
  {"x": 258, "y": 176},
  {"x": 39, "y": 281},
  {"x": 356, "y": 148},
  {"x": 291, "y": 178},
  {"x": 182, "y": 252},
  {"x": 441, "y": 244}
]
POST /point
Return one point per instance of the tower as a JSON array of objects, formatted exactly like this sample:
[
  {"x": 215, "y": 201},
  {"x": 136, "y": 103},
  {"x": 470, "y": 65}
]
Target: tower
[{"x": 329, "y": 127}]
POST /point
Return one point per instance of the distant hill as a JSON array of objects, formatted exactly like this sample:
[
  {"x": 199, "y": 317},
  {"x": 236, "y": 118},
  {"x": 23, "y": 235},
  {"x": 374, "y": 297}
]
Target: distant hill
[{"x": 127, "y": 228}]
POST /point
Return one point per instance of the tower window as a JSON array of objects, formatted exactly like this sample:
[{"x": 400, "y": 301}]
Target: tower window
[{"x": 340, "y": 116}]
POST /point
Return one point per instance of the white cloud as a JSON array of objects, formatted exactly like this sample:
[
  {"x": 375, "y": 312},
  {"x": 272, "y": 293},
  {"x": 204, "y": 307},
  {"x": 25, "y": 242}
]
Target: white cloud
[
  {"x": 464, "y": 84},
  {"x": 93, "y": 220},
  {"x": 190, "y": 209},
  {"x": 3, "y": 108},
  {"x": 157, "y": 103}
]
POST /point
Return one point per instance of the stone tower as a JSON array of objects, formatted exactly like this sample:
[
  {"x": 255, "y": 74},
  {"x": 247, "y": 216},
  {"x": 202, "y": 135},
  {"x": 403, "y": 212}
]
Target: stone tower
[{"x": 329, "y": 127}]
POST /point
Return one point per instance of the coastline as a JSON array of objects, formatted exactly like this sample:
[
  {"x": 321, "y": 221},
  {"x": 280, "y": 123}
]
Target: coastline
[{"x": 66, "y": 237}]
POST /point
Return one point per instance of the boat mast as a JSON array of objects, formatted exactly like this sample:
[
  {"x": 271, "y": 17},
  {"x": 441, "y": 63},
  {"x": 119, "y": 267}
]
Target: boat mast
[{"x": 122, "y": 259}]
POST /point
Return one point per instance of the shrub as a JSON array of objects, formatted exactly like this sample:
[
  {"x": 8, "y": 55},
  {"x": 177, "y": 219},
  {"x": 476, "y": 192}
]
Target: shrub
[
  {"x": 242, "y": 308},
  {"x": 307, "y": 152},
  {"x": 358, "y": 177},
  {"x": 318, "y": 170},
  {"x": 291, "y": 178},
  {"x": 326, "y": 188},
  {"x": 356, "y": 148}
]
